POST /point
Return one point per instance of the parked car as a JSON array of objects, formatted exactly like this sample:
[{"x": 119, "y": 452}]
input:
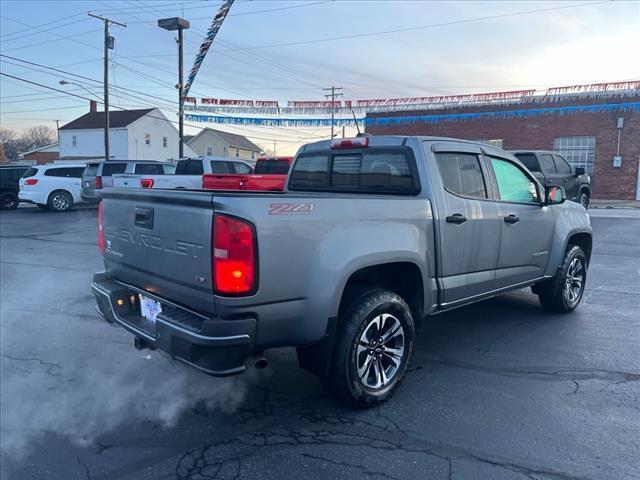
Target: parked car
[
  {"x": 54, "y": 186},
  {"x": 98, "y": 175},
  {"x": 551, "y": 168},
  {"x": 371, "y": 235},
  {"x": 9, "y": 185},
  {"x": 270, "y": 173},
  {"x": 188, "y": 173}
]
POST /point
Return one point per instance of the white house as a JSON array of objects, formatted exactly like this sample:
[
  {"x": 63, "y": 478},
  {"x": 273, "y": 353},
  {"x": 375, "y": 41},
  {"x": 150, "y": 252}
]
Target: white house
[
  {"x": 144, "y": 134},
  {"x": 216, "y": 143}
]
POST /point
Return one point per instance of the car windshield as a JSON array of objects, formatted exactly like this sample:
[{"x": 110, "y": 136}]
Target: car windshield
[
  {"x": 272, "y": 166},
  {"x": 529, "y": 160}
]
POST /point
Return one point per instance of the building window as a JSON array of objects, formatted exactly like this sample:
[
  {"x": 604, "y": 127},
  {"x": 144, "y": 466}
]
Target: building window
[
  {"x": 225, "y": 152},
  {"x": 237, "y": 152},
  {"x": 578, "y": 151},
  {"x": 74, "y": 141},
  {"x": 147, "y": 139},
  {"x": 253, "y": 155},
  {"x": 209, "y": 150},
  {"x": 164, "y": 142}
]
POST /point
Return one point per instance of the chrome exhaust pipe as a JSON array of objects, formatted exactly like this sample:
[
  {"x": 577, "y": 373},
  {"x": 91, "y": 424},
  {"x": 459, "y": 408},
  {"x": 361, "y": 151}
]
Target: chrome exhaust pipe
[{"x": 260, "y": 362}]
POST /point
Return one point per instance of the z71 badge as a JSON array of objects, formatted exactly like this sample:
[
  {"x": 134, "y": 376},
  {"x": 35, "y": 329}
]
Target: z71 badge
[{"x": 291, "y": 208}]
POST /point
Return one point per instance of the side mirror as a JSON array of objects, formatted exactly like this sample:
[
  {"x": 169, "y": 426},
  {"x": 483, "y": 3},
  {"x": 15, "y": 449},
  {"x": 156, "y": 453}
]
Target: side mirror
[
  {"x": 554, "y": 195},
  {"x": 580, "y": 171}
]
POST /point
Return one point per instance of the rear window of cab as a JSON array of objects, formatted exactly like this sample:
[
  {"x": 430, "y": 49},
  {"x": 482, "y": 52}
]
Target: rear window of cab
[{"x": 372, "y": 170}]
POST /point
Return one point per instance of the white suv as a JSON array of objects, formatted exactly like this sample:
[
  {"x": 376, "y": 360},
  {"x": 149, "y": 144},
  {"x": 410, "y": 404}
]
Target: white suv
[{"x": 55, "y": 186}]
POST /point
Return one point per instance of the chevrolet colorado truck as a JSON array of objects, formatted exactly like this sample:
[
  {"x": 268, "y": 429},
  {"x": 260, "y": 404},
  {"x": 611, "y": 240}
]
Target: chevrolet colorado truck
[
  {"x": 270, "y": 174},
  {"x": 371, "y": 237},
  {"x": 552, "y": 169}
]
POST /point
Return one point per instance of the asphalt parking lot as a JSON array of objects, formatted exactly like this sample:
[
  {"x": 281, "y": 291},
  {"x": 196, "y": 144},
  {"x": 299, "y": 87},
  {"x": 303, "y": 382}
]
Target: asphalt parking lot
[{"x": 498, "y": 390}]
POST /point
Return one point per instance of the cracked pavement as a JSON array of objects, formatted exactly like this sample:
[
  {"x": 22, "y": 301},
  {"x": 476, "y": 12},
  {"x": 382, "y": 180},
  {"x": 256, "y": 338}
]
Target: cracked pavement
[{"x": 500, "y": 389}]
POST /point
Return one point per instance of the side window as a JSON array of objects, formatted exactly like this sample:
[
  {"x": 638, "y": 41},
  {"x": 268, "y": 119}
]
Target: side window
[
  {"x": 546, "y": 162},
  {"x": 168, "y": 169},
  {"x": 513, "y": 184},
  {"x": 220, "y": 167},
  {"x": 56, "y": 172},
  {"x": 109, "y": 169},
  {"x": 76, "y": 172},
  {"x": 241, "y": 168},
  {"x": 461, "y": 174},
  {"x": 148, "y": 169},
  {"x": 562, "y": 165}
]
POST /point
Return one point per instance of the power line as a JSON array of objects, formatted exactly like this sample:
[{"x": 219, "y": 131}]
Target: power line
[{"x": 332, "y": 95}]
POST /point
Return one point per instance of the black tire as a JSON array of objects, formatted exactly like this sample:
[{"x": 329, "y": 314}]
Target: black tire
[
  {"x": 9, "y": 201},
  {"x": 60, "y": 201},
  {"x": 360, "y": 320},
  {"x": 584, "y": 199},
  {"x": 561, "y": 294}
]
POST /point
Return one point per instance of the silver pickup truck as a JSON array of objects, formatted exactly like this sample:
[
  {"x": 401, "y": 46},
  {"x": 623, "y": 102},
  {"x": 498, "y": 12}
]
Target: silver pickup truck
[{"x": 371, "y": 236}]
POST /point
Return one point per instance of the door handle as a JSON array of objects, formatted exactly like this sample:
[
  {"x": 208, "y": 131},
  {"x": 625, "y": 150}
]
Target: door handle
[
  {"x": 456, "y": 218},
  {"x": 511, "y": 218}
]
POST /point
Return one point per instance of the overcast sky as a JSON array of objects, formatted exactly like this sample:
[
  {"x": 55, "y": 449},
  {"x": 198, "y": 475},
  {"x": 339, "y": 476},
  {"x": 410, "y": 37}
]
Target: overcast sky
[{"x": 587, "y": 42}]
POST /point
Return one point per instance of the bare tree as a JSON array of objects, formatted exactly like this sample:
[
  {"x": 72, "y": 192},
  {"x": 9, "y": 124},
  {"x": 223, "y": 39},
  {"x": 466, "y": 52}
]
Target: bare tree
[
  {"x": 36, "y": 137},
  {"x": 6, "y": 135}
]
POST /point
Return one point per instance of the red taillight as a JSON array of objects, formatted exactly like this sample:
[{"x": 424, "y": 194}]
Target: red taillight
[
  {"x": 98, "y": 182},
  {"x": 233, "y": 259},
  {"x": 357, "y": 142},
  {"x": 31, "y": 181},
  {"x": 100, "y": 230},
  {"x": 146, "y": 182}
]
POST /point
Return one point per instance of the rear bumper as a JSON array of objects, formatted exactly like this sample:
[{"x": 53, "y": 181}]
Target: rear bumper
[
  {"x": 91, "y": 196},
  {"x": 32, "y": 197},
  {"x": 215, "y": 346}
]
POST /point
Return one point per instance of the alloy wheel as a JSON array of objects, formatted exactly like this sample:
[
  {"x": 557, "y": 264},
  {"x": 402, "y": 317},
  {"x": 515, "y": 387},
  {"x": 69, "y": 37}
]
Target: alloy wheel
[
  {"x": 380, "y": 351},
  {"x": 60, "y": 201},
  {"x": 574, "y": 281}
]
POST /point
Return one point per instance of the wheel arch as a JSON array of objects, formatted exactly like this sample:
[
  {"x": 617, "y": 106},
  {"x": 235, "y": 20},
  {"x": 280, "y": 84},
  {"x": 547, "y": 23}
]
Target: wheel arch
[{"x": 582, "y": 240}]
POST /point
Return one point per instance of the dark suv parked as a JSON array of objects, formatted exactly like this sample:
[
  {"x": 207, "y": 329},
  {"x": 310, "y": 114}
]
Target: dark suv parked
[
  {"x": 9, "y": 187},
  {"x": 553, "y": 170}
]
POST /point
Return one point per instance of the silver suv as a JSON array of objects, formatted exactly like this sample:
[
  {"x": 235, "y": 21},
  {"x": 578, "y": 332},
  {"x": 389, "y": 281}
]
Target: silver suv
[{"x": 98, "y": 175}]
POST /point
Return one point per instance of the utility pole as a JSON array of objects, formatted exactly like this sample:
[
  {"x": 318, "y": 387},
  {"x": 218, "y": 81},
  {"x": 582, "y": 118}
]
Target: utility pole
[
  {"x": 333, "y": 96},
  {"x": 58, "y": 131},
  {"x": 180, "y": 24},
  {"x": 108, "y": 45}
]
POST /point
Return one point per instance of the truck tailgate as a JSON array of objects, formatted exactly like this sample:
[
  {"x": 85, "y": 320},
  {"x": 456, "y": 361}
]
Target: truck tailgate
[{"x": 160, "y": 241}]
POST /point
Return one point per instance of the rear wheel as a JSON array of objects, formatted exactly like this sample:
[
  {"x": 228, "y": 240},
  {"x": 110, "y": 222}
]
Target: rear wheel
[
  {"x": 60, "y": 201},
  {"x": 9, "y": 201},
  {"x": 564, "y": 292},
  {"x": 374, "y": 345}
]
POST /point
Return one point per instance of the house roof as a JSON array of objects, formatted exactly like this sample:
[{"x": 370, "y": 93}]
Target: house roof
[
  {"x": 47, "y": 148},
  {"x": 117, "y": 119},
  {"x": 230, "y": 139},
  {"x": 188, "y": 138}
]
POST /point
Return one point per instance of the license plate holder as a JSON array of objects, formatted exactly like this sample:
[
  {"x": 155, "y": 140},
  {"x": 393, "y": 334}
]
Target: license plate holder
[{"x": 149, "y": 308}]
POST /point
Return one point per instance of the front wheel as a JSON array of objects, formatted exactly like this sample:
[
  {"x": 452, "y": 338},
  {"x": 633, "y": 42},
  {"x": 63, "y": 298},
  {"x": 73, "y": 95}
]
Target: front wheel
[
  {"x": 374, "y": 345},
  {"x": 584, "y": 199},
  {"x": 564, "y": 292}
]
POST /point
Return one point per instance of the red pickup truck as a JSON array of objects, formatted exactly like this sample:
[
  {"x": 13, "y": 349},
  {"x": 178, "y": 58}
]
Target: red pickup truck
[{"x": 269, "y": 174}]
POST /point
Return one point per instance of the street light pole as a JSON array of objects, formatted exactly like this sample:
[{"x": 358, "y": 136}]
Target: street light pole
[{"x": 179, "y": 24}]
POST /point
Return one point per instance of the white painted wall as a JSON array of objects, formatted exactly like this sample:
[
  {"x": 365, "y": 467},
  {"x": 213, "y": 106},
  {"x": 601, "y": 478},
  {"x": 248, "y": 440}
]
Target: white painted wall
[
  {"x": 90, "y": 143},
  {"x": 157, "y": 129}
]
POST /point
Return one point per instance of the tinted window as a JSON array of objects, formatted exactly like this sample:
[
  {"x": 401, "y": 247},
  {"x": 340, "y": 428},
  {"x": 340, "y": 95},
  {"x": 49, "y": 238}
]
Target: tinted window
[
  {"x": 562, "y": 165},
  {"x": 513, "y": 184},
  {"x": 220, "y": 167},
  {"x": 109, "y": 168},
  {"x": 149, "y": 169},
  {"x": 461, "y": 174},
  {"x": 529, "y": 160},
  {"x": 272, "y": 166},
  {"x": 546, "y": 161},
  {"x": 241, "y": 168},
  {"x": 372, "y": 170},
  {"x": 30, "y": 172},
  {"x": 189, "y": 167},
  {"x": 11, "y": 175},
  {"x": 68, "y": 172},
  {"x": 91, "y": 170}
]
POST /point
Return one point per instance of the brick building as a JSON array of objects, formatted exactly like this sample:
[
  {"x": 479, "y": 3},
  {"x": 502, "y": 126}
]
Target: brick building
[
  {"x": 598, "y": 130},
  {"x": 42, "y": 155}
]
